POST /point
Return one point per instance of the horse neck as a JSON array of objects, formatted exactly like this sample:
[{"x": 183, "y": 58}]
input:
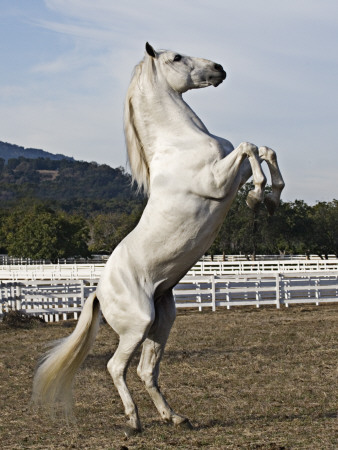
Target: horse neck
[{"x": 163, "y": 111}]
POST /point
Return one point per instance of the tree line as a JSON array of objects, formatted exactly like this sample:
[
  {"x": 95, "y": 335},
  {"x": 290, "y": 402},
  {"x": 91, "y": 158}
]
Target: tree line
[
  {"x": 33, "y": 228},
  {"x": 59, "y": 208},
  {"x": 295, "y": 228},
  {"x": 52, "y": 209}
]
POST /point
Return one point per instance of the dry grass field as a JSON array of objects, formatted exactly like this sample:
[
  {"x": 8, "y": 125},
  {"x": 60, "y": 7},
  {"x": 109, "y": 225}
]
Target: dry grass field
[{"x": 247, "y": 378}]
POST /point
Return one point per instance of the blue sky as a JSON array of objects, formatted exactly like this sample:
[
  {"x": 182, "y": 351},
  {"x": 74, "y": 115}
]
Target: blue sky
[{"x": 66, "y": 66}]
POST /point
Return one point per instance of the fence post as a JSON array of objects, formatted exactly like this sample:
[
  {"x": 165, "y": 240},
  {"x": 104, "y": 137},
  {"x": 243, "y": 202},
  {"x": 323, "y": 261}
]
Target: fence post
[
  {"x": 317, "y": 291},
  {"x": 213, "y": 292},
  {"x": 257, "y": 294},
  {"x": 286, "y": 283},
  {"x": 227, "y": 295},
  {"x": 12, "y": 296},
  {"x": 198, "y": 295},
  {"x": 18, "y": 304},
  {"x": 1, "y": 302},
  {"x": 82, "y": 288},
  {"x": 277, "y": 291}
]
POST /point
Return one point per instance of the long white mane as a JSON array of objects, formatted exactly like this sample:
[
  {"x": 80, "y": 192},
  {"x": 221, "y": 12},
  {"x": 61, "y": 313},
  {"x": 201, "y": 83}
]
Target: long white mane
[{"x": 142, "y": 79}]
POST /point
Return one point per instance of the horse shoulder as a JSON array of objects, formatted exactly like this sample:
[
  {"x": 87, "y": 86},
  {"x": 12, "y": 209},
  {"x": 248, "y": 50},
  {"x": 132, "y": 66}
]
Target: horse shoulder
[{"x": 226, "y": 146}]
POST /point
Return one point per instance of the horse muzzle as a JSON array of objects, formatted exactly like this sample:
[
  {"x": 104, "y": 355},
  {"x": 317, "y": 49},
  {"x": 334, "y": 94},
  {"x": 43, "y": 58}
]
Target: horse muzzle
[{"x": 217, "y": 79}]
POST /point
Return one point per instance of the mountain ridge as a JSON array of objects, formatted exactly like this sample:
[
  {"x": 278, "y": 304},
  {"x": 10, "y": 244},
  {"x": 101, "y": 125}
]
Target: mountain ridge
[
  {"x": 73, "y": 186},
  {"x": 10, "y": 151}
]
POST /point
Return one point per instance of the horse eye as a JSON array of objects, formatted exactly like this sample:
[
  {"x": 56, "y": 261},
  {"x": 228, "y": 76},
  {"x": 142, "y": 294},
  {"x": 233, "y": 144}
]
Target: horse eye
[{"x": 177, "y": 58}]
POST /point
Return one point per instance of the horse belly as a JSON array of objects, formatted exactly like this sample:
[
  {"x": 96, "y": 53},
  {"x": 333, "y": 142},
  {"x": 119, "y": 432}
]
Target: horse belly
[
  {"x": 165, "y": 244},
  {"x": 172, "y": 242}
]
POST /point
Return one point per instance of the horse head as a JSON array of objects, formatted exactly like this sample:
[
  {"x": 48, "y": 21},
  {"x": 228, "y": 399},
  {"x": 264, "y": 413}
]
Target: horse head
[{"x": 182, "y": 72}]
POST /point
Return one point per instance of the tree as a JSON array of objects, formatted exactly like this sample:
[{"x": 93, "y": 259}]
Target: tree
[
  {"x": 41, "y": 233},
  {"x": 289, "y": 230},
  {"x": 107, "y": 230},
  {"x": 325, "y": 228}
]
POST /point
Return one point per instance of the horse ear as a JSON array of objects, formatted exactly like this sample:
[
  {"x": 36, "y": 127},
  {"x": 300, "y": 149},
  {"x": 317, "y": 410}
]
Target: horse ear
[{"x": 151, "y": 52}]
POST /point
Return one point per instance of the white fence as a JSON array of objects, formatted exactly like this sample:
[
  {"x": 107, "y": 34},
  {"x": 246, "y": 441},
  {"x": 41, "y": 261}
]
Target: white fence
[
  {"x": 264, "y": 257},
  {"x": 203, "y": 267},
  {"x": 94, "y": 259},
  {"x": 256, "y": 289},
  {"x": 51, "y": 272},
  {"x": 274, "y": 266},
  {"x": 55, "y": 299},
  {"x": 50, "y": 299}
]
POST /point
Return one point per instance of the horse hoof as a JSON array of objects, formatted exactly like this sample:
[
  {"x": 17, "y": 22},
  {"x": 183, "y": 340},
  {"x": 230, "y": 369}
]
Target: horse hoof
[
  {"x": 185, "y": 424},
  {"x": 253, "y": 201},
  {"x": 130, "y": 432},
  {"x": 270, "y": 204}
]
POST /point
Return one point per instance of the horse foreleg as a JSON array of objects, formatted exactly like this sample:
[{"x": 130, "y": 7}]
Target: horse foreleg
[
  {"x": 227, "y": 169},
  {"x": 272, "y": 200},
  {"x": 152, "y": 352}
]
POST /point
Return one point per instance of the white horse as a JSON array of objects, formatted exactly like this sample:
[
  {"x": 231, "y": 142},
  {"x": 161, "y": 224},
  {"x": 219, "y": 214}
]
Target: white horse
[{"x": 191, "y": 178}]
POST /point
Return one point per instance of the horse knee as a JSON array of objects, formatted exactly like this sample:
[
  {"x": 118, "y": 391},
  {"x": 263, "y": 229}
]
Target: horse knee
[
  {"x": 146, "y": 376},
  {"x": 148, "y": 368},
  {"x": 145, "y": 368},
  {"x": 116, "y": 370},
  {"x": 267, "y": 154},
  {"x": 249, "y": 149}
]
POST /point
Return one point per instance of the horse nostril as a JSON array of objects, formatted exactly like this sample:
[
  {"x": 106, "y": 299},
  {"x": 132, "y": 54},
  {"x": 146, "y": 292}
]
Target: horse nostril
[{"x": 218, "y": 67}]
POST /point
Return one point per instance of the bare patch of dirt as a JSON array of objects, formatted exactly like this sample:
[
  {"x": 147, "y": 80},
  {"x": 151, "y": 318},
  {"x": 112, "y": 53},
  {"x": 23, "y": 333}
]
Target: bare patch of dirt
[
  {"x": 49, "y": 175},
  {"x": 247, "y": 378}
]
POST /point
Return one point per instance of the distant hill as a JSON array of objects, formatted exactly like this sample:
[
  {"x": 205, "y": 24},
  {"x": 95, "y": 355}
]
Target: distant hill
[
  {"x": 9, "y": 151},
  {"x": 70, "y": 185}
]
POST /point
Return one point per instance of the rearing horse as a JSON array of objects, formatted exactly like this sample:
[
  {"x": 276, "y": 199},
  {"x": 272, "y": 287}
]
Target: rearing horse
[{"x": 191, "y": 178}]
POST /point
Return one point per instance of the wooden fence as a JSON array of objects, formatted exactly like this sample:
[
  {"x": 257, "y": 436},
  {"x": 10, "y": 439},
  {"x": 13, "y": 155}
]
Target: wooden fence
[{"x": 62, "y": 299}]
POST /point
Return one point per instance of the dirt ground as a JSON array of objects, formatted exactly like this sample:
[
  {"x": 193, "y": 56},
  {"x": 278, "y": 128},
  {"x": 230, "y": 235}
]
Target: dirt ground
[{"x": 247, "y": 378}]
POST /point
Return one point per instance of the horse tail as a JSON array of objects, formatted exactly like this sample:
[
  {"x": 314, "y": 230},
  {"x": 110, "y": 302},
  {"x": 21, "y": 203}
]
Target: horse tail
[{"x": 53, "y": 379}]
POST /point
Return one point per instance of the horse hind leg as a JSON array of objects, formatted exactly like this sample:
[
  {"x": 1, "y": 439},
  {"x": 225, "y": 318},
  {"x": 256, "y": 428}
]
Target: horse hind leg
[
  {"x": 118, "y": 366},
  {"x": 152, "y": 352},
  {"x": 272, "y": 200}
]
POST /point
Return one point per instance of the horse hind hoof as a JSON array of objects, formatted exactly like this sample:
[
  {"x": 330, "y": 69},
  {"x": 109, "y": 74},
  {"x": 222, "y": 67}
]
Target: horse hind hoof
[
  {"x": 185, "y": 424},
  {"x": 130, "y": 432},
  {"x": 271, "y": 204}
]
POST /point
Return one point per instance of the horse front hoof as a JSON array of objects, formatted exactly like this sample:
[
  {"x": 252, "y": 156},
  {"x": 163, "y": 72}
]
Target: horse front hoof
[
  {"x": 271, "y": 204},
  {"x": 253, "y": 200}
]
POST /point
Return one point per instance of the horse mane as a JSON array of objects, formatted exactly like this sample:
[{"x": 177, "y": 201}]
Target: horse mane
[{"x": 143, "y": 75}]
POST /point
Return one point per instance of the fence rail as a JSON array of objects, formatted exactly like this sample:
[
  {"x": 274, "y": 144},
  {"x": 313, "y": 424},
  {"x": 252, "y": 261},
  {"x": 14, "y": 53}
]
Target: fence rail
[
  {"x": 64, "y": 298},
  {"x": 277, "y": 266},
  {"x": 203, "y": 267},
  {"x": 94, "y": 259}
]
